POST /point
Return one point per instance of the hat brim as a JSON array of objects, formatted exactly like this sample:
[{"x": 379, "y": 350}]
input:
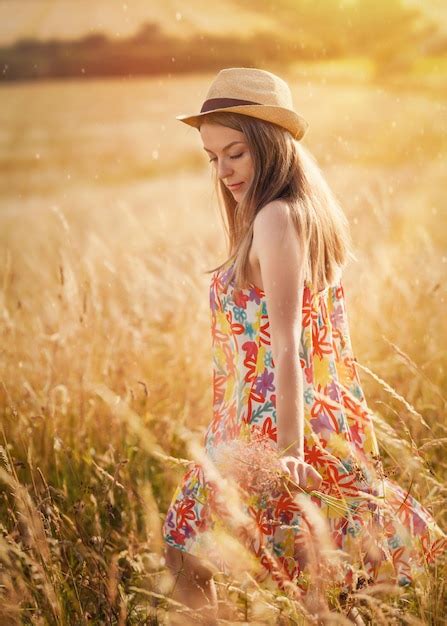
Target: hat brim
[{"x": 285, "y": 118}]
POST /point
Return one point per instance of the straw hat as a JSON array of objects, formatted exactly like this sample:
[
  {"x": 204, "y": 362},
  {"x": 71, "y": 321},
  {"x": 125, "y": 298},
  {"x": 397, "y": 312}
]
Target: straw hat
[{"x": 253, "y": 92}]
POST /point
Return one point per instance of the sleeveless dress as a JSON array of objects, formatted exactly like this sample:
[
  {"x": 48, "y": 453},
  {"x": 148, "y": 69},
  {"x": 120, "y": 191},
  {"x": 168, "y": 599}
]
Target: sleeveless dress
[{"x": 339, "y": 441}]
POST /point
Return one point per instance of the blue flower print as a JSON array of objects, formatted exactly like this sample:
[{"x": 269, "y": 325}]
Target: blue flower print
[
  {"x": 239, "y": 314},
  {"x": 346, "y": 464},
  {"x": 357, "y": 391},
  {"x": 249, "y": 330},
  {"x": 268, "y": 359},
  {"x": 308, "y": 396},
  {"x": 394, "y": 542},
  {"x": 354, "y": 529}
]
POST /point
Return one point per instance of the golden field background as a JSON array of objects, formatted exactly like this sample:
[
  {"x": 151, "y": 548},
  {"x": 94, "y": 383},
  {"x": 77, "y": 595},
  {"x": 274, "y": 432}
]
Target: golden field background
[{"x": 108, "y": 222}]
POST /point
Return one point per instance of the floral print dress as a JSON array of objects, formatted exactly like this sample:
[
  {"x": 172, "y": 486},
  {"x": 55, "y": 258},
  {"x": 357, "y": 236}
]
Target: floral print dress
[{"x": 339, "y": 441}]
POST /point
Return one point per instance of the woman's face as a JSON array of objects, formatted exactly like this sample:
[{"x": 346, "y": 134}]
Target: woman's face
[{"x": 229, "y": 154}]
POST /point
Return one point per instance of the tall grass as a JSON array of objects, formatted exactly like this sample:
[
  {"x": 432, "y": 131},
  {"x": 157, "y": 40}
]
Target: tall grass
[{"x": 105, "y": 366}]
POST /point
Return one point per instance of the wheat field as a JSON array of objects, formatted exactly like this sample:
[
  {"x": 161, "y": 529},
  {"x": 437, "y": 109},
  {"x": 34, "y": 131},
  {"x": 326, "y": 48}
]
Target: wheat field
[{"x": 108, "y": 224}]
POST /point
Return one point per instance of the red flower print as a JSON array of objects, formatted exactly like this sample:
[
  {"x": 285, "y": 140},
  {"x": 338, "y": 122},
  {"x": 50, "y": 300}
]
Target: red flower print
[
  {"x": 436, "y": 549},
  {"x": 263, "y": 524},
  {"x": 237, "y": 328},
  {"x": 251, "y": 355},
  {"x": 185, "y": 512},
  {"x": 308, "y": 311},
  {"x": 285, "y": 503},
  {"x": 264, "y": 334},
  {"x": 240, "y": 298},
  {"x": 403, "y": 505},
  {"x": 399, "y": 556},
  {"x": 267, "y": 562},
  {"x": 319, "y": 341},
  {"x": 309, "y": 374},
  {"x": 178, "y": 537},
  {"x": 255, "y": 396},
  {"x": 357, "y": 433},
  {"x": 324, "y": 409},
  {"x": 354, "y": 409},
  {"x": 344, "y": 484},
  {"x": 268, "y": 429},
  {"x": 314, "y": 456}
]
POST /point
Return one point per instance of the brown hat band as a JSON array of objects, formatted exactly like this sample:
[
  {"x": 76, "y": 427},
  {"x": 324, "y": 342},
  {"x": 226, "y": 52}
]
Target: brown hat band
[{"x": 221, "y": 103}]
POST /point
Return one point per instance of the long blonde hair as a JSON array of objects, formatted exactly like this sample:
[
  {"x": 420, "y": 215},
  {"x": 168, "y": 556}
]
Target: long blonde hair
[{"x": 283, "y": 168}]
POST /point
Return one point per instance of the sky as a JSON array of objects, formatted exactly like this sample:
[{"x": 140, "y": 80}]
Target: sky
[{"x": 75, "y": 18}]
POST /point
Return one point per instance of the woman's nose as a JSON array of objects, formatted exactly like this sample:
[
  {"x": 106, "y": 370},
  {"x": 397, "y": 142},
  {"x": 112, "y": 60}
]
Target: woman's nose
[{"x": 224, "y": 169}]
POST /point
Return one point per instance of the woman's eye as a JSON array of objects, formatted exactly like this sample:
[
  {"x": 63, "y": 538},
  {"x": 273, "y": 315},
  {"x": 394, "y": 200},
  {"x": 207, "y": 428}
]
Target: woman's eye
[{"x": 237, "y": 156}]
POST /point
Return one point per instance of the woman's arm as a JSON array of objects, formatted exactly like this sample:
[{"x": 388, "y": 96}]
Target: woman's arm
[{"x": 282, "y": 265}]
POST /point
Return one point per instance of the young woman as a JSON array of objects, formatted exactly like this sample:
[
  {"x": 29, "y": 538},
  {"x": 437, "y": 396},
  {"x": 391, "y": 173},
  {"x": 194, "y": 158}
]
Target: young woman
[{"x": 284, "y": 370}]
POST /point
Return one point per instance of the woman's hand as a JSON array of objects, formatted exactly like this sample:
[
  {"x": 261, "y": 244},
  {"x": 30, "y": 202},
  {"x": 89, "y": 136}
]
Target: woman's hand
[{"x": 301, "y": 473}]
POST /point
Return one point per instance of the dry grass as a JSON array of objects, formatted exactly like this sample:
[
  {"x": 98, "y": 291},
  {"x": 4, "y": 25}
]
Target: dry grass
[{"x": 105, "y": 366}]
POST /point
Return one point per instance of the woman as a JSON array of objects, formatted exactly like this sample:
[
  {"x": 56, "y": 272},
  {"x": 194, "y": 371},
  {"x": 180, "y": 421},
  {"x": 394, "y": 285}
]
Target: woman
[{"x": 284, "y": 374}]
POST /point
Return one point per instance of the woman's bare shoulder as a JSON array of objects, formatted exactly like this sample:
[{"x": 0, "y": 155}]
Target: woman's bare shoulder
[
  {"x": 272, "y": 211},
  {"x": 274, "y": 218}
]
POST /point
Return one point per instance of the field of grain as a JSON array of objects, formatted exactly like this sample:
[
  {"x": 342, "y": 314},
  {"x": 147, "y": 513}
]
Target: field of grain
[{"x": 108, "y": 223}]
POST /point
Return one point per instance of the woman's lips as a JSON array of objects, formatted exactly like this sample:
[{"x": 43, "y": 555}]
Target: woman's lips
[{"x": 235, "y": 186}]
